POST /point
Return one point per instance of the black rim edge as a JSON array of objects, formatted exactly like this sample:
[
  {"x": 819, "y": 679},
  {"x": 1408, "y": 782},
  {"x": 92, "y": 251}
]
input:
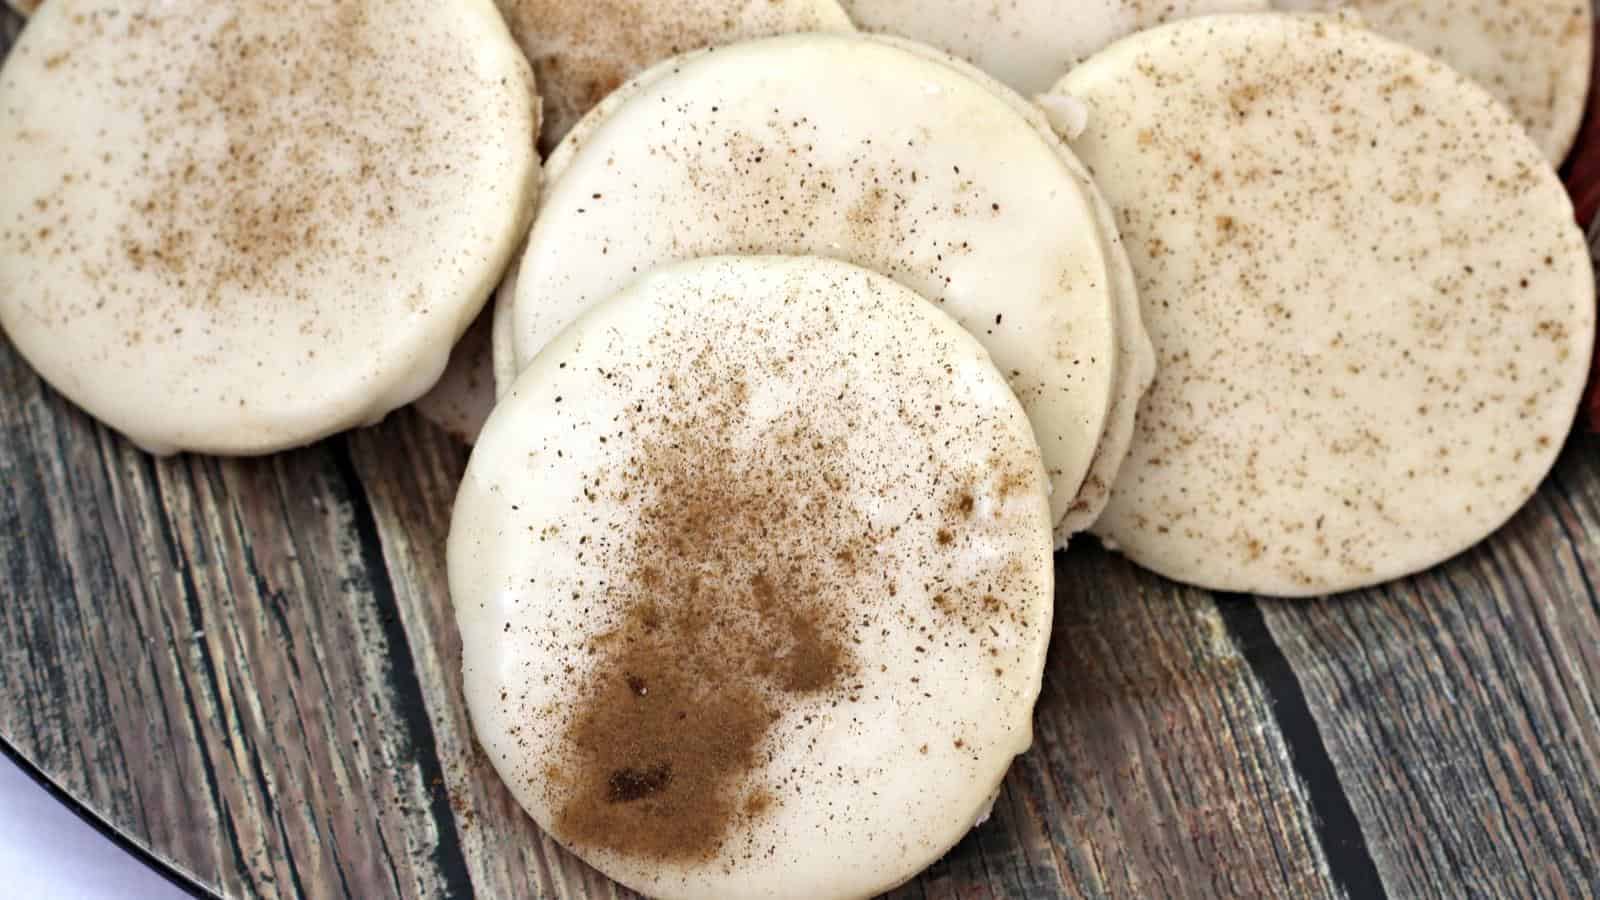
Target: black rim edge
[{"x": 179, "y": 879}]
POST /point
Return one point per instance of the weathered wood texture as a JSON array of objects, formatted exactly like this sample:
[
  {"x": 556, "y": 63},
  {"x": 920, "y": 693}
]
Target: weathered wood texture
[
  {"x": 250, "y": 669},
  {"x": 1461, "y": 705}
]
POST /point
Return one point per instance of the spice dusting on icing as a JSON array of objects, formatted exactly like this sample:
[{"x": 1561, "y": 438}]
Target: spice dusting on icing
[
  {"x": 268, "y": 153},
  {"x": 240, "y": 227},
  {"x": 583, "y": 51},
  {"x": 757, "y": 148},
  {"x": 1533, "y": 55},
  {"x": 733, "y": 588},
  {"x": 707, "y": 614},
  {"x": 1349, "y": 304}
]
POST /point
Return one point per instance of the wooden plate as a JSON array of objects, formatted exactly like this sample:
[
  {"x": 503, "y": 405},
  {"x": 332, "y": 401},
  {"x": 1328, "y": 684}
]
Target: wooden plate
[{"x": 249, "y": 669}]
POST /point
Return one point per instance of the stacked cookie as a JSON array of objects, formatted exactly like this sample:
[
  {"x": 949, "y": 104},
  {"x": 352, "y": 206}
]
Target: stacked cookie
[{"x": 841, "y": 445}]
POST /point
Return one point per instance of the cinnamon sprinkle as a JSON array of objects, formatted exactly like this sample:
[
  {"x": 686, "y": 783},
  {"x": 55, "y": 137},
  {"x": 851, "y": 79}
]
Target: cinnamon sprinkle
[
  {"x": 733, "y": 582},
  {"x": 270, "y": 143}
]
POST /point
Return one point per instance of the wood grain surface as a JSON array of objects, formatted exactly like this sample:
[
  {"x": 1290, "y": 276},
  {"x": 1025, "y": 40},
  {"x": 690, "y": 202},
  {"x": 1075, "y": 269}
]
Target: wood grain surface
[{"x": 249, "y": 668}]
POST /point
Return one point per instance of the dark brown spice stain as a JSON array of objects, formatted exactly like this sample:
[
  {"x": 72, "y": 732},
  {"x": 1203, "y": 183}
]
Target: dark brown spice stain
[
  {"x": 757, "y": 803},
  {"x": 730, "y": 594},
  {"x": 629, "y": 785}
]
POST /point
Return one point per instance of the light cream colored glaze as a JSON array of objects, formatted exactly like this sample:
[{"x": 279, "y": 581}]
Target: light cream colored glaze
[
  {"x": 505, "y": 363},
  {"x": 900, "y": 483},
  {"x": 461, "y": 400},
  {"x": 1136, "y": 372},
  {"x": 582, "y": 51},
  {"x": 1372, "y": 310},
  {"x": 942, "y": 217},
  {"x": 242, "y": 249},
  {"x": 503, "y": 357},
  {"x": 1136, "y": 357},
  {"x": 1534, "y": 55},
  {"x": 1027, "y": 44},
  {"x": 1135, "y": 367}
]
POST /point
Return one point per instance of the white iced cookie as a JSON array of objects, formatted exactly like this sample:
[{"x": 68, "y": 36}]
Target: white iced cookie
[
  {"x": 753, "y": 573},
  {"x": 241, "y": 227},
  {"x": 1028, "y": 44},
  {"x": 1136, "y": 359},
  {"x": 1534, "y": 55},
  {"x": 582, "y": 51},
  {"x": 854, "y": 148},
  {"x": 1372, "y": 311}
]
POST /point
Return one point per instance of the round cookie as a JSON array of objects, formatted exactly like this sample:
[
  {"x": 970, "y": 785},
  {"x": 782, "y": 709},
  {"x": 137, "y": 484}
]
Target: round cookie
[
  {"x": 1372, "y": 311},
  {"x": 875, "y": 156},
  {"x": 1534, "y": 55},
  {"x": 1027, "y": 44},
  {"x": 247, "y": 248},
  {"x": 753, "y": 572},
  {"x": 583, "y": 51}
]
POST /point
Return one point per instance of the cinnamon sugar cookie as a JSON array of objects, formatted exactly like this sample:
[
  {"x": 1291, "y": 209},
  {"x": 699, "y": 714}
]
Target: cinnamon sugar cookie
[
  {"x": 753, "y": 570},
  {"x": 1372, "y": 310},
  {"x": 240, "y": 227}
]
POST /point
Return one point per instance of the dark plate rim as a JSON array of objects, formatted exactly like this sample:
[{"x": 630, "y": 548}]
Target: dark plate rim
[{"x": 176, "y": 877}]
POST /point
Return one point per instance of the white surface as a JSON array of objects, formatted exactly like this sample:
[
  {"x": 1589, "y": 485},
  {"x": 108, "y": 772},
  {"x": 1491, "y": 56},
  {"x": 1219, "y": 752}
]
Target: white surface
[{"x": 48, "y": 853}]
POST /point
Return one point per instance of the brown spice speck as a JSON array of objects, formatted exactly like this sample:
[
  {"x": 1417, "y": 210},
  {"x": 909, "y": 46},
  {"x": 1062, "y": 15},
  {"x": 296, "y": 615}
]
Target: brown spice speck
[
  {"x": 965, "y": 504},
  {"x": 757, "y": 803},
  {"x": 269, "y": 144},
  {"x": 722, "y": 627},
  {"x": 583, "y": 51}
]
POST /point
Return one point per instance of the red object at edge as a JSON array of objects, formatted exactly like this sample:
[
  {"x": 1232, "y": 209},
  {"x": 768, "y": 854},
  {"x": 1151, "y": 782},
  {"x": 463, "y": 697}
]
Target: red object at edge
[{"x": 1582, "y": 176}]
